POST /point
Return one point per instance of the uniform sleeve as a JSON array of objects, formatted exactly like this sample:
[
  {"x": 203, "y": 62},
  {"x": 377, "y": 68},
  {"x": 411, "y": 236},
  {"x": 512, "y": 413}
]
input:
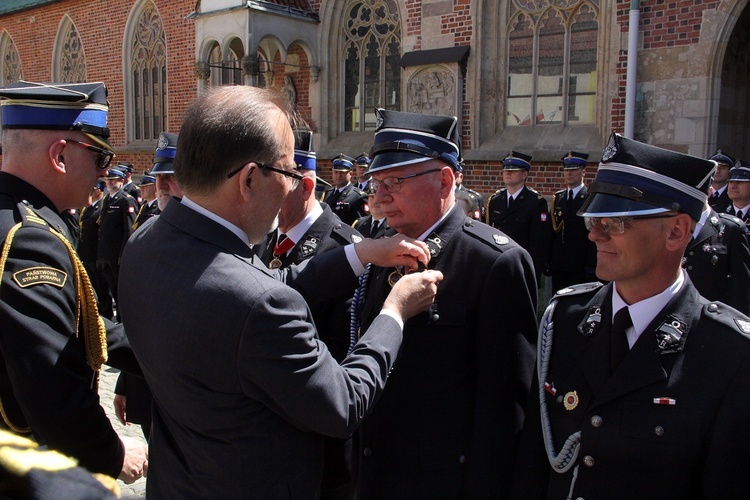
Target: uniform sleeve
[
  {"x": 285, "y": 366},
  {"x": 540, "y": 236},
  {"x": 505, "y": 354},
  {"x": 45, "y": 361},
  {"x": 739, "y": 268},
  {"x": 129, "y": 213}
]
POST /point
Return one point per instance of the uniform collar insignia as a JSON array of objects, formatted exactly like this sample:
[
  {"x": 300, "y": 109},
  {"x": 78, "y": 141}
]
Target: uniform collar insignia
[
  {"x": 308, "y": 247},
  {"x": 591, "y": 321},
  {"x": 671, "y": 335}
]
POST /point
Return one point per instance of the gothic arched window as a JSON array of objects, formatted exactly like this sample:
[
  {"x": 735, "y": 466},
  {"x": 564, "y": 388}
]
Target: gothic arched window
[
  {"x": 10, "y": 61},
  {"x": 371, "y": 54},
  {"x": 148, "y": 74},
  {"x": 552, "y": 54},
  {"x": 70, "y": 61}
]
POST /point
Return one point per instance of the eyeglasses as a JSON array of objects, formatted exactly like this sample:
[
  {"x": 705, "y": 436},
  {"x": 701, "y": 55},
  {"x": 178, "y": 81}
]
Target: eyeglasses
[
  {"x": 393, "y": 184},
  {"x": 286, "y": 173},
  {"x": 105, "y": 155},
  {"x": 616, "y": 225}
]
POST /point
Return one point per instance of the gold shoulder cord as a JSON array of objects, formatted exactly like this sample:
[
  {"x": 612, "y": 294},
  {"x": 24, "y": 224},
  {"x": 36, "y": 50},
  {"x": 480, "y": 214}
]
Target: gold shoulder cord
[
  {"x": 487, "y": 208},
  {"x": 556, "y": 225},
  {"x": 87, "y": 314}
]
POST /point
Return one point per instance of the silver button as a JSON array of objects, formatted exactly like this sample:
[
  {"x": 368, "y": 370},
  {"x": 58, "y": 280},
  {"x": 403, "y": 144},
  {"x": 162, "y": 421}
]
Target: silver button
[
  {"x": 659, "y": 430},
  {"x": 596, "y": 421},
  {"x": 588, "y": 461},
  {"x": 435, "y": 317},
  {"x": 713, "y": 308},
  {"x": 462, "y": 459},
  {"x": 367, "y": 452}
]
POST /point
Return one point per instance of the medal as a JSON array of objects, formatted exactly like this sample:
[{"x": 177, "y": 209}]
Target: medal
[
  {"x": 395, "y": 275},
  {"x": 571, "y": 400},
  {"x": 275, "y": 263}
]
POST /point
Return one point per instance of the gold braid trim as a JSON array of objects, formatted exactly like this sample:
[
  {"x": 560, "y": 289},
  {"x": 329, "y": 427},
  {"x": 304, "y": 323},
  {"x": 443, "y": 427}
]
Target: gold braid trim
[
  {"x": 556, "y": 226},
  {"x": 94, "y": 331},
  {"x": 487, "y": 208}
]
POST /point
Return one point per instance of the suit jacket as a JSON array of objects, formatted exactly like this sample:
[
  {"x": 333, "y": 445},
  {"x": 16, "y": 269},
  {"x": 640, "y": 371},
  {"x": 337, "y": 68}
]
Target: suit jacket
[
  {"x": 572, "y": 251},
  {"x": 718, "y": 261},
  {"x": 243, "y": 388},
  {"x": 46, "y": 383},
  {"x": 526, "y": 221},
  {"x": 115, "y": 225},
  {"x": 447, "y": 425},
  {"x": 364, "y": 226},
  {"x": 349, "y": 204},
  {"x": 670, "y": 422}
]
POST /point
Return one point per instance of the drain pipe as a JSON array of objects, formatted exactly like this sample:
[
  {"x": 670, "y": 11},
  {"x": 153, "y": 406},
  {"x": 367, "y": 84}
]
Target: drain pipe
[{"x": 635, "y": 18}]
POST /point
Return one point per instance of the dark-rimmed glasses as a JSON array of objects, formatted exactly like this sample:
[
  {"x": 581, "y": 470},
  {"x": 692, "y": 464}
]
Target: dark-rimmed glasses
[
  {"x": 287, "y": 173},
  {"x": 393, "y": 184},
  {"x": 616, "y": 225},
  {"x": 105, "y": 155}
]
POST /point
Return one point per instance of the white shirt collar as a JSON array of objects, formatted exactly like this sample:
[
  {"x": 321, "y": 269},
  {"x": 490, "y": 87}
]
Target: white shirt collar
[
  {"x": 236, "y": 230},
  {"x": 644, "y": 312},
  {"x": 702, "y": 222},
  {"x": 297, "y": 232},
  {"x": 576, "y": 190}
]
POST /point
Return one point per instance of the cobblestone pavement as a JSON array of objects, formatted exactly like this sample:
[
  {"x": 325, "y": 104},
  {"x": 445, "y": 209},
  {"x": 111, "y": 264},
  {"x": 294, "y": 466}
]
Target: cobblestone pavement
[{"x": 107, "y": 380}]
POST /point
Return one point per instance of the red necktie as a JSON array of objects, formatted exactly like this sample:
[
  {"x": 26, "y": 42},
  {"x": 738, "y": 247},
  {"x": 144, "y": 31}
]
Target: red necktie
[{"x": 282, "y": 246}]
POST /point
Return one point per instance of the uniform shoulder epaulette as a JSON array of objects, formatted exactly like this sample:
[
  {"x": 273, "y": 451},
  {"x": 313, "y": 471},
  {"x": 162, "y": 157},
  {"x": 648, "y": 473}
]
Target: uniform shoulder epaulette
[
  {"x": 728, "y": 316},
  {"x": 560, "y": 191},
  {"x": 578, "y": 289},
  {"x": 345, "y": 233},
  {"x": 485, "y": 233},
  {"x": 730, "y": 219},
  {"x": 358, "y": 191}
]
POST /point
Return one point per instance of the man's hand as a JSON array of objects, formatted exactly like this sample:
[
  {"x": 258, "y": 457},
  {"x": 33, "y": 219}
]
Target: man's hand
[
  {"x": 413, "y": 293},
  {"x": 398, "y": 250},
  {"x": 135, "y": 464},
  {"x": 120, "y": 403}
]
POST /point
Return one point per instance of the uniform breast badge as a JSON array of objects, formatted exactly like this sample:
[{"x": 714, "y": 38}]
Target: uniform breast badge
[{"x": 570, "y": 402}]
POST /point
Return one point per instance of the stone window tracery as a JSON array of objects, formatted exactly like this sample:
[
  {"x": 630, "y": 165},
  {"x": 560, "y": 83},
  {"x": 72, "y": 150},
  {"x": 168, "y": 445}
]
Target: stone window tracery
[
  {"x": 552, "y": 55},
  {"x": 10, "y": 61},
  {"x": 71, "y": 59},
  {"x": 372, "y": 51}
]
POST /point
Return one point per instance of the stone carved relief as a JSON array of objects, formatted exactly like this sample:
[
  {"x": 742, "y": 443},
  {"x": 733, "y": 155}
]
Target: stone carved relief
[{"x": 432, "y": 91}]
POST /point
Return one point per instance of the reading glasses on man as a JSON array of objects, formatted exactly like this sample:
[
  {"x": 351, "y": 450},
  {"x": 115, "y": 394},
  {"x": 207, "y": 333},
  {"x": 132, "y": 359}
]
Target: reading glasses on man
[
  {"x": 616, "y": 225},
  {"x": 105, "y": 155},
  {"x": 393, "y": 184},
  {"x": 287, "y": 173}
]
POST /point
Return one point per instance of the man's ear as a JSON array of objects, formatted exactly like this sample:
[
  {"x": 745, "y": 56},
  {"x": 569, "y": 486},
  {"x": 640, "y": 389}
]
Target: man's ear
[
  {"x": 447, "y": 181},
  {"x": 245, "y": 179},
  {"x": 57, "y": 159},
  {"x": 680, "y": 232}
]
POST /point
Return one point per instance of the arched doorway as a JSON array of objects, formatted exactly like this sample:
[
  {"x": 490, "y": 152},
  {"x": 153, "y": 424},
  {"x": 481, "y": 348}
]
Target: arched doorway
[{"x": 734, "y": 107}]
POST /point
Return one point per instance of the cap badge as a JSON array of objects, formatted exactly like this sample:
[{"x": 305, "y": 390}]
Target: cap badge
[
  {"x": 611, "y": 150},
  {"x": 163, "y": 142}
]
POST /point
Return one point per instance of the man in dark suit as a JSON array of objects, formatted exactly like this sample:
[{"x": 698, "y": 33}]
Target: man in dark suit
[
  {"x": 520, "y": 212},
  {"x": 52, "y": 340},
  {"x": 572, "y": 258},
  {"x": 718, "y": 197},
  {"x": 717, "y": 259},
  {"x": 447, "y": 425},
  {"x": 345, "y": 199},
  {"x": 116, "y": 218},
  {"x": 642, "y": 383},
  {"x": 308, "y": 228},
  {"x": 244, "y": 389}
]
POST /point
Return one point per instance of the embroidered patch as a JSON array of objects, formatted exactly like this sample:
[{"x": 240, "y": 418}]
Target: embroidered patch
[
  {"x": 543, "y": 217},
  {"x": 500, "y": 240},
  {"x": 356, "y": 238},
  {"x": 40, "y": 276}
]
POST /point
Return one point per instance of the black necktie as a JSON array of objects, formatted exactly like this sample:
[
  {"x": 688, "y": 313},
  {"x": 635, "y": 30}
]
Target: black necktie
[
  {"x": 739, "y": 214},
  {"x": 375, "y": 225},
  {"x": 715, "y": 195},
  {"x": 510, "y": 200},
  {"x": 619, "y": 340},
  {"x": 570, "y": 195}
]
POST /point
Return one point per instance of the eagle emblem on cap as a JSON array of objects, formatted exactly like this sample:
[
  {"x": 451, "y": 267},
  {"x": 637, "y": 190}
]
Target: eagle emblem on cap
[
  {"x": 611, "y": 150},
  {"x": 163, "y": 142}
]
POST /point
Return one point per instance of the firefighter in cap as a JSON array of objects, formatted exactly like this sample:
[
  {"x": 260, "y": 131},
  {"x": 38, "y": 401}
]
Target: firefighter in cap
[
  {"x": 52, "y": 339},
  {"x": 641, "y": 384}
]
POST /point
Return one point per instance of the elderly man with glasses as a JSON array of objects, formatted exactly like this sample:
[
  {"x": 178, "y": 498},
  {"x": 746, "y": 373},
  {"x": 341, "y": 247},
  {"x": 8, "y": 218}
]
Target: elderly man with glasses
[
  {"x": 447, "y": 425},
  {"x": 641, "y": 384}
]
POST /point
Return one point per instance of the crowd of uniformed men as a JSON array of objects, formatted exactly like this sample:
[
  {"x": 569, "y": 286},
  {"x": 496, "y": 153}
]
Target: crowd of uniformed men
[{"x": 601, "y": 408}]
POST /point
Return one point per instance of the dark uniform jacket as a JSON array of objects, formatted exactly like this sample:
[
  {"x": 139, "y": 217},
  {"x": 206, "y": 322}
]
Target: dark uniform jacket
[
  {"x": 348, "y": 204},
  {"x": 447, "y": 425},
  {"x": 133, "y": 191},
  {"x": 669, "y": 423},
  {"x": 115, "y": 225},
  {"x": 147, "y": 210},
  {"x": 364, "y": 226},
  {"x": 45, "y": 381},
  {"x": 572, "y": 253},
  {"x": 88, "y": 224},
  {"x": 722, "y": 202},
  {"x": 243, "y": 388},
  {"x": 718, "y": 261},
  {"x": 526, "y": 222}
]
